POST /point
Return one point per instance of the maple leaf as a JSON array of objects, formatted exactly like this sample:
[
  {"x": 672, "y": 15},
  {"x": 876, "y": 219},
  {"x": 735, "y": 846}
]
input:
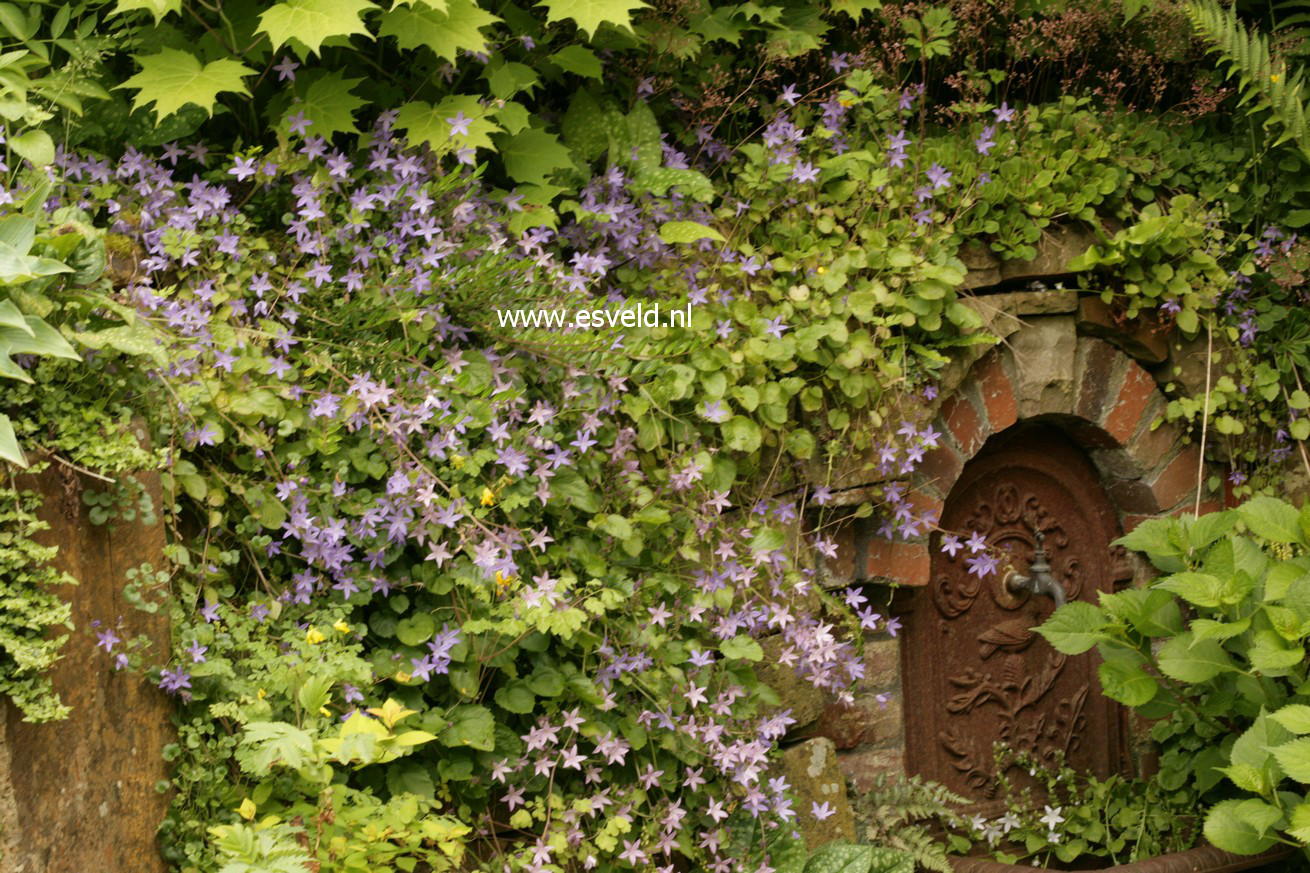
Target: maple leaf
[
  {"x": 310, "y": 22},
  {"x": 589, "y": 15},
  {"x": 423, "y": 122},
  {"x": 157, "y": 8},
  {"x": 327, "y": 103},
  {"x": 533, "y": 155},
  {"x": 445, "y": 33},
  {"x": 173, "y": 78}
]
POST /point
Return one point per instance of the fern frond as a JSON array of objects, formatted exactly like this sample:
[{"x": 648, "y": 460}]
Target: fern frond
[{"x": 1266, "y": 82}]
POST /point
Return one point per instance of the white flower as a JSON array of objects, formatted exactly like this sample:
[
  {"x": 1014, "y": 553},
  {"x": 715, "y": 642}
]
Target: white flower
[
  {"x": 977, "y": 823},
  {"x": 1009, "y": 821},
  {"x": 1052, "y": 817},
  {"x": 1052, "y": 837},
  {"x": 992, "y": 832}
]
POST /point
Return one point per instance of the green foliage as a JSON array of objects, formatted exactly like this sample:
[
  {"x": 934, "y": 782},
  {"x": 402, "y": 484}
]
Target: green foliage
[
  {"x": 1214, "y": 652},
  {"x": 1055, "y": 814},
  {"x": 1266, "y": 81},
  {"x": 30, "y": 609},
  {"x": 922, "y": 820}
]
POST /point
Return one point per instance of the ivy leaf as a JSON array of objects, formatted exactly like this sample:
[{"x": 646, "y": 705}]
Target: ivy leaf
[
  {"x": 532, "y": 155},
  {"x": 471, "y": 726},
  {"x": 423, "y": 122},
  {"x": 329, "y": 104},
  {"x": 310, "y": 22},
  {"x": 445, "y": 33},
  {"x": 589, "y": 15},
  {"x": 173, "y": 78}
]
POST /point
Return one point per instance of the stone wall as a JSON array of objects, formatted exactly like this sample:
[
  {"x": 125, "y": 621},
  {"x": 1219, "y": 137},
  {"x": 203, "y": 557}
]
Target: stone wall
[{"x": 79, "y": 795}]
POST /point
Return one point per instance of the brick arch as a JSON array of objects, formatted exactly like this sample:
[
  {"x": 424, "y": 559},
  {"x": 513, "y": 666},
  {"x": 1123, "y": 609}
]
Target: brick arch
[{"x": 1100, "y": 397}]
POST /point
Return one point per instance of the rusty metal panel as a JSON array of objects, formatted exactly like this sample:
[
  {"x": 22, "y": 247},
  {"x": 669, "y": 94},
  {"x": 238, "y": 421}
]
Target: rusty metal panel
[{"x": 974, "y": 671}]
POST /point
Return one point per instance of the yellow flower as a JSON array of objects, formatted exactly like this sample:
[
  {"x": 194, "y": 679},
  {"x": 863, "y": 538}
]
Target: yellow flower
[
  {"x": 262, "y": 694},
  {"x": 1275, "y": 77},
  {"x": 457, "y": 461},
  {"x": 342, "y": 626},
  {"x": 402, "y": 676},
  {"x": 247, "y": 809},
  {"x": 488, "y": 497},
  {"x": 503, "y": 582},
  {"x": 313, "y": 636},
  {"x": 822, "y": 270}
]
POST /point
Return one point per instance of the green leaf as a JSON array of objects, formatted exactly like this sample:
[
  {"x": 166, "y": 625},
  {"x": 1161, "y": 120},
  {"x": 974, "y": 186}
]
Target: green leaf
[
  {"x": 1273, "y": 519},
  {"x": 741, "y": 434},
  {"x": 1294, "y": 758},
  {"x": 589, "y": 15},
  {"x": 1074, "y": 628},
  {"x": 310, "y": 22},
  {"x": 327, "y": 102},
  {"x": 425, "y": 123},
  {"x": 841, "y": 858},
  {"x": 416, "y": 629},
  {"x": 173, "y": 78},
  {"x": 1300, "y": 822},
  {"x": 579, "y": 60},
  {"x": 1198, "y": 589},
  {"x": 1295, "y": 717},
  {"x": 674, "y": 232},
  {"x": 1251, "y": 755},
  {"x": 9, "y": 448},
  {"x": 1124, "y": 678},
  {"x": 313, "y": 694},
  {"x": 446, "y": 33},
  {"x": 34, "y": 145},
  {"x": 1189, "y": 660},
  {"x": 1228, "y": 827},
  {"x": 516, "y": 697},
  {"x": 743, "y": 647},
  {"x": 532, "y": 155},
  {"x": 472, "y": 726},
  {"x": 157, "y": 8},
  {"x": 856, "y": 8},
  {"x": 265, "y": 743}
]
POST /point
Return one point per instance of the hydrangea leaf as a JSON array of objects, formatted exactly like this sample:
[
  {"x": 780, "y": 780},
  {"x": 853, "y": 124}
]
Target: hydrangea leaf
[
  {"x": 425, "y": 123},
  {"x": 157, "y": 8},
  {"x": 533, "y": 154},
  {"x": 310, "y": 22},
  {"x": 9, "y": 448},
  {"x": 447, "y": 33},
  {"x": 589, "y": 15},
  {"x": 328, "y": 103},
  {"x": 173, "y": 78}
]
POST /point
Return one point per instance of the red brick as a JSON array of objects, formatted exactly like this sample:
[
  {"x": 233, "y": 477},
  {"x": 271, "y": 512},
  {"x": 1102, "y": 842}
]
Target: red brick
[
  {"x": 1132, "y": 521},
  {"x": 1097, "y": 367},
  {"x": 1149, "y": 447},
  {"x": 942, "y": 466},
  {"x": 997, "y": 393},
  {"x": 964, "y": 423},
  {"x": 1189, "y": 507},
  {"x": 866, "y": 721},
  {"x": 1134, "y": 395},
  {"x": 863, "y": 765},
  {"x": 904, "y": 563},
  {"x": 1177, "y": 480},
  {"x": 842, "y": 567}
]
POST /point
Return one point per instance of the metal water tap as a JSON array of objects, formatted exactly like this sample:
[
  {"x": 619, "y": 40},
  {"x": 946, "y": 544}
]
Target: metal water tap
[{"x": 1039, "y": 579}]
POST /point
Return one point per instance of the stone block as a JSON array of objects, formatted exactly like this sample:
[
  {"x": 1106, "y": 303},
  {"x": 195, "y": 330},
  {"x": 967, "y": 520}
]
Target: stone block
[
  {"x": 1144, "y": 338},
  {"x": 815, "y": 776},
  {"x": 1095, "y": 365},
  {"x": 882, "y": 665},
  {"x": 1044, "y": 353},
  {"x": 805, "y": 701},
  {"x": 862, "y": 766},
  {"x": 984, "y": 268},
  {"x": 1060, "y": 245}
]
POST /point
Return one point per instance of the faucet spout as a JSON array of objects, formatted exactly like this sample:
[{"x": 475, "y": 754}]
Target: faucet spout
[{"x": 1039, "y": 579}]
